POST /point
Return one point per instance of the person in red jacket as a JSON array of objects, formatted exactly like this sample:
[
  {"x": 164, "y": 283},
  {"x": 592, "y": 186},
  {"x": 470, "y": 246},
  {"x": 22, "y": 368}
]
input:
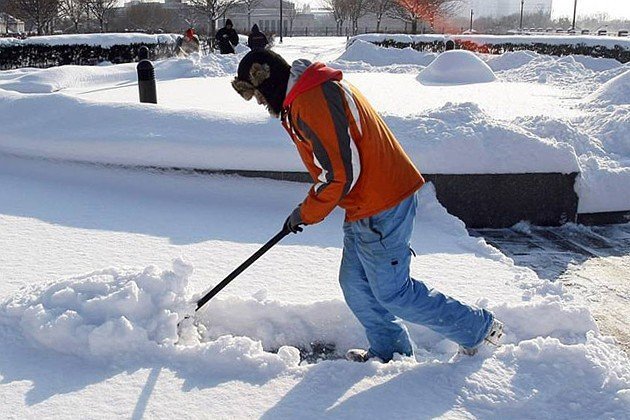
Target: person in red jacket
[{"x": 356, "y": 163}]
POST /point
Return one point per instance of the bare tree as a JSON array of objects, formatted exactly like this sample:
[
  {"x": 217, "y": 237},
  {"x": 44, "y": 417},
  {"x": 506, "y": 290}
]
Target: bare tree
[
  {"x": 291, "y": 14},
  {"x": 40, "y": 12},
  {"x": 340, "y": 11},
  {"x": 212, "y": 10},
  {"x": 148, "y": 16},
  {"x": 412, "y": 11},
  {"x": 250, "y": 6},
  {"x": 74, "y": 11},
  {"x": 381, "y": 8},
  {"x": 356, "y": 10},
  {"x": 101, "y": 9}
]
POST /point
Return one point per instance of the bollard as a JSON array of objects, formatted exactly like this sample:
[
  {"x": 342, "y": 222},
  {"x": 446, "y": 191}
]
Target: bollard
[{"x": 146, "y": 77}]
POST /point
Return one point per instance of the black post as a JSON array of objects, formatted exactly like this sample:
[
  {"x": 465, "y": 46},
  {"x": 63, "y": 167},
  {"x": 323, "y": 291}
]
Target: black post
[
  {"x": 574, "y": 13},
  {"x": 521, "y": 25},
  {"x": 146, "y": 77},
  {"x": 471, "y": 20},
  {"x": 281, "y": 25}
]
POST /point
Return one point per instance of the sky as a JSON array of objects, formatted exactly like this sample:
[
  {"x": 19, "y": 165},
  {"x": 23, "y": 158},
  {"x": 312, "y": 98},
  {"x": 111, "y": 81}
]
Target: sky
[{"x": 614, "y": 8}]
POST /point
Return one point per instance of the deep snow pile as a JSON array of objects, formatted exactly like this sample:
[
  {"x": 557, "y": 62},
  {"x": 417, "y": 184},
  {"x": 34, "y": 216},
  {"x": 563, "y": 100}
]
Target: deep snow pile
[
  {"x": 614, "y": 92},
  {"x": 104, "y": 40},
  {"x": 374, "y": 55},
  {"x": 119, "y": 316},
  {"x": 581, "y": 73},
  {"x": 462, "y": 139},
  {"x": 64, "y": 77},
  {"x": 123, "y": 318},
  {"x": 456, "y": 67}
]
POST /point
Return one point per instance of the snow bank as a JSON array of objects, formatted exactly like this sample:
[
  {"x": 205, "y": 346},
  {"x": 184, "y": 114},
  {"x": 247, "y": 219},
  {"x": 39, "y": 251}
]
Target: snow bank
[
  {"x": 601, "y": 143},
  {"x": 64, "y": 77},
  {"x": 615, "y": 92},
  {"x": 453, "y": 139},
  {"x": 104, "y": 313},
  {"x": 128, "y": 319},
  {"x": 589, "y": 41},
  {"x": 510, "y": 60},
  {"x": 456, "y": 67},
  {"x": 118, "y": 316},
  {"x": 104, "y": 40},
  {"x": 379, "y": 56},
  {"x": 462, "y": 139}
]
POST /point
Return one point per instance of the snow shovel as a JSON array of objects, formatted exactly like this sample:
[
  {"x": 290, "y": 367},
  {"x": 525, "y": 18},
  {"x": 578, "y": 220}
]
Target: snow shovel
[{"x": 212, "y": 293}]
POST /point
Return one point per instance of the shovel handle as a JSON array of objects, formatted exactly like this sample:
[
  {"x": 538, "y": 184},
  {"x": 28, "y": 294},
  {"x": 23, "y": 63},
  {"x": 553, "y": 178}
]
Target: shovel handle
[{"x": 266, "y": 247}]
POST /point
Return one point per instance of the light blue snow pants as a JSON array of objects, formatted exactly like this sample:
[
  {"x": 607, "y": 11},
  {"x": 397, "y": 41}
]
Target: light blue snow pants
[{"x": 376, "y": 284}]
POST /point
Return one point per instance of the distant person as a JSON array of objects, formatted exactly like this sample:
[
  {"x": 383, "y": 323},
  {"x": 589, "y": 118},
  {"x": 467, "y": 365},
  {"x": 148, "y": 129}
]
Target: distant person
[
  {"x": 356, "y": 163},
  {"x": 227, "y": 38},
  {"x": 187, "y": 44},
  {"x": 257, "y": 40}
]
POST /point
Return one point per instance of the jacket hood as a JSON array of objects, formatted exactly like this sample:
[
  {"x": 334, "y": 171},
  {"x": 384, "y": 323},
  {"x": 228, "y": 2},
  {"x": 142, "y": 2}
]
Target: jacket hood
[
  {"x": 255, "y": 28},
  {"x": 306, "y": 76},
  {"x": 228, "y": 22}
]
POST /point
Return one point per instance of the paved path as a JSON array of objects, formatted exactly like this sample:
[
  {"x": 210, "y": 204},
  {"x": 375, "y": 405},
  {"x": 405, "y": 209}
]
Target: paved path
[{"x": 593, "y": 261}]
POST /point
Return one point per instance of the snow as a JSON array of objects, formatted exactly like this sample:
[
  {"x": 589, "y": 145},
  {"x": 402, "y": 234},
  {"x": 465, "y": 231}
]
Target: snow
[
  {"x": 103, "y": 341},
  {"x": 586, "y": 40},
  {"x": 456, "y": 67},
  {"x": 99, "y": 263},
  {"x": 539, "y": 106},
  {"x": 104, "y": 40},
  {"x": 379, "y": 56},
  {"x": 616, "y": 91}
]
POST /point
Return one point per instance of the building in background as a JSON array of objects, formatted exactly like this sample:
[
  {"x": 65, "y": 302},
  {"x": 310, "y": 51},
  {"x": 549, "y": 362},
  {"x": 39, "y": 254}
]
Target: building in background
[
  {"x": 500, "y": 8},
  {"x": 10, "y": 25}
]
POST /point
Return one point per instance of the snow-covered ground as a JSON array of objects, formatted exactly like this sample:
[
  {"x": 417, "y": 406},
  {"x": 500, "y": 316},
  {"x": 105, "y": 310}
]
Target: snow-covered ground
[
  {"x": 96, "y": 262},
  {"x": 571, "y": 113}
]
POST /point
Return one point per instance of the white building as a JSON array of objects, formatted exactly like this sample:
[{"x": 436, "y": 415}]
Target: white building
[
  {"x": 500, "y": 8},
  {"x": 9, "y": 24}
]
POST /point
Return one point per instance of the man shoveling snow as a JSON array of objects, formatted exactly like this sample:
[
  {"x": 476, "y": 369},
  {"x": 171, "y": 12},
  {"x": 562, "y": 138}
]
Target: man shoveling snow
[{"x": 357, "y": 164}]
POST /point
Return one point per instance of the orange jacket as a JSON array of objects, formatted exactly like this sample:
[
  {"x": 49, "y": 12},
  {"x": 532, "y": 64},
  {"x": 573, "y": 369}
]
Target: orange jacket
[{"x": 352, "y": 156}]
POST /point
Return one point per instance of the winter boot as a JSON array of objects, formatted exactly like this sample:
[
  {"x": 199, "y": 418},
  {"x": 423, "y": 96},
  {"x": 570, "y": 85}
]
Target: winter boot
[
  {"x": 360, "y": 355},
  {"x": 494, "y": 337}
]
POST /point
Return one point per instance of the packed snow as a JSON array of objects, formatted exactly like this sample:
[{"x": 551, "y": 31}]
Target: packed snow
[
  {"x": 100, "y": 263},
  {"x": 570, "y": 91},
  {"x": 456, "y": 67},
  {"x": 105, "y": 341},
  {"x": 374, "y": 55},
  {"x": 104, "y": 40}
]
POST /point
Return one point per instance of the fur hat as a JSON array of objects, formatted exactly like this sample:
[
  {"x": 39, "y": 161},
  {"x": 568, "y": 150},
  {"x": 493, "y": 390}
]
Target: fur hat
[{"x": 265, "y": 72}]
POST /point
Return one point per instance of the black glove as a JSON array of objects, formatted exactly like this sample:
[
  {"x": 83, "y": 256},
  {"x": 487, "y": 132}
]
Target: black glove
[{"x": 294, "y": 222}]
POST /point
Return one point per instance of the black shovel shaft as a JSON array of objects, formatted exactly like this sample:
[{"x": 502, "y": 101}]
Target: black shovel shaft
[{"x": 266, "y": 247}]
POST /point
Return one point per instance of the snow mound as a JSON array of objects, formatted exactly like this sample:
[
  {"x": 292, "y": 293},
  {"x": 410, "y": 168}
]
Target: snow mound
[
  {"x": 562, "y": 131},
  {"x": 124, "y": 315},
  {"x": 615, "y": 92},
  {"x": 102, "y": 39},
  {"x": 561, "y": 71},
  {"x": 456, "y": 67},
  {"x": 510, "y": 60},
  {"x": 104, "y": 313},
  {"x": 66, "y": 77},
  {"x": 379, "y": 56},
  {"x": 610, "y": 125},
  {"x": 462, "y": 139}
]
